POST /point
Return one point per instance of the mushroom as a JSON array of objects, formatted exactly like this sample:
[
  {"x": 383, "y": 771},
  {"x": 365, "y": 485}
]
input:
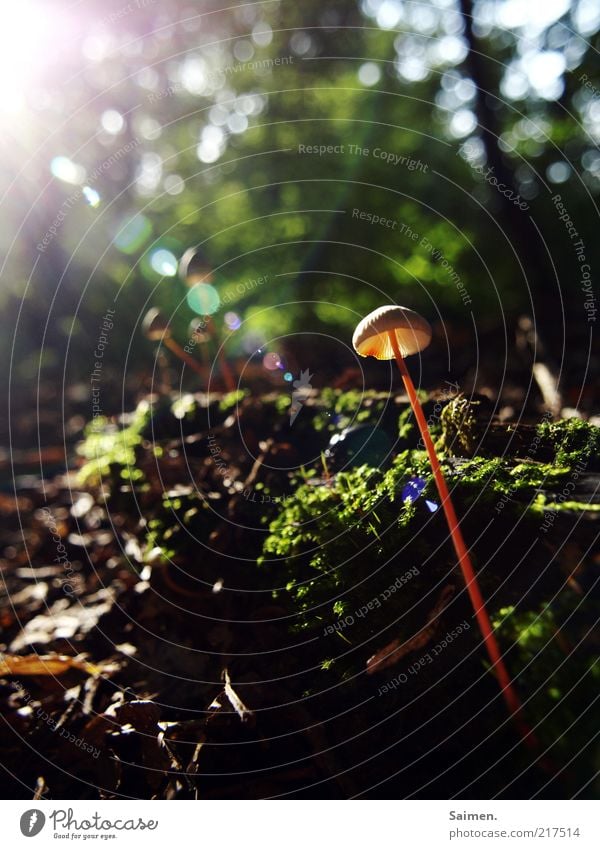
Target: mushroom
[
  {"x": 194, "y": 267},
  {"x": 397, "y": 332},
  {"x": 156, "y": 328},
  {"x": 198, "y": 333}
]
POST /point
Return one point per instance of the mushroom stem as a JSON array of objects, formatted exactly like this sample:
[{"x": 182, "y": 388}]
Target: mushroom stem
[
  {"x": 176, "y": 348},
  {"x": 226, "y": 372},
  {"x": 485, "y": 626}
]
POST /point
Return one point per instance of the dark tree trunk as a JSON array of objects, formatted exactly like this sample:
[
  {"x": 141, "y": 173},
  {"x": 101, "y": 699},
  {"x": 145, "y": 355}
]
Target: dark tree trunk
[{"x": 517, "y": 223}]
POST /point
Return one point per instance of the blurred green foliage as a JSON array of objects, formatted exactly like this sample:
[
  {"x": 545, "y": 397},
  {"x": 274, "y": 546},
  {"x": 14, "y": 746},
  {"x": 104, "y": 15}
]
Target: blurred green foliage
[{"x": 188, "y": 122}]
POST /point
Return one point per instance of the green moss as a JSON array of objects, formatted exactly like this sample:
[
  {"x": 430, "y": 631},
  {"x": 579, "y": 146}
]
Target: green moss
[
  {"x": 110, "y": 448},
  {"x": 573, "y": 440},
  {"x": 336, "y": 409},
  {"x": 553, "y": 659},
  {"x": 575, "y": 506},
  {"x": 458, "y": 427},
  {"x": 534, "y": 474},
  {"x": 181, "y": 525},
  {"x": 344, "y": 543},
  {"x": 337, "y": 548},
  {"x": 230, "y": 401},
  {"x": 184, "y": 407},
  {"x": 282, "y": 404},
  {"x": 405, "y": 423},
  {"x": 335, "y": 538}
]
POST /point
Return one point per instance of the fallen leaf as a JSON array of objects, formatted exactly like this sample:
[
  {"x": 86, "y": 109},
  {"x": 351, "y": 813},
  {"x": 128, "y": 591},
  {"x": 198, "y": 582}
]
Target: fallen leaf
[
  {"x": 398, "y": 648},
  {"x": 37, "y": 664},
  {"x": 244, "y": 713}
]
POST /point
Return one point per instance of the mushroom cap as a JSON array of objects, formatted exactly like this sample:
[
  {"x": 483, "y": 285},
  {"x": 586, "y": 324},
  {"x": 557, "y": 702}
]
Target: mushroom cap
[
  {"x": 194, "y": 266},
  {"x": 155, "y": 325},
  {"x": 371, "y": 338},
  {"x": 197, "y": 329}
]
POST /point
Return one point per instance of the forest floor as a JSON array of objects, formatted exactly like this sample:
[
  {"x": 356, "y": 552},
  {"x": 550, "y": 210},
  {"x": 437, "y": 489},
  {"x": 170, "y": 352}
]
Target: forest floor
[{"x": 192, "y": 611}]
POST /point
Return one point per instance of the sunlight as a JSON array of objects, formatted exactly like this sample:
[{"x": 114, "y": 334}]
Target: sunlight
[{"x": 26, "y": 45}]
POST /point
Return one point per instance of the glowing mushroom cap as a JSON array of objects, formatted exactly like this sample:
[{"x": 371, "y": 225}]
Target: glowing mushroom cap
[
  {"x": 194, "y": 267},
  {"x": 371, "y": 337},
  {"x": 197, "y": 329},
  {"x": 155, "y": 326}
]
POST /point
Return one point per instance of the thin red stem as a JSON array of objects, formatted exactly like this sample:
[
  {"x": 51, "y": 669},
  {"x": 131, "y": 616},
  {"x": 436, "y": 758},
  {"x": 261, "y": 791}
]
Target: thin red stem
[
  {"x": 201, "y": 369},
  {"x": 485, "y": 626},
  {"x": 226, "y": 372},
  {"x": 183, "y": 355}
]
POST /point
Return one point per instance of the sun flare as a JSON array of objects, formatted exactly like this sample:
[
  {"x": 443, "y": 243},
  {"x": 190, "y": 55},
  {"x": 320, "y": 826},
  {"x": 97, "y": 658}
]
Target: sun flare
[{"x": 27, "y": 45}]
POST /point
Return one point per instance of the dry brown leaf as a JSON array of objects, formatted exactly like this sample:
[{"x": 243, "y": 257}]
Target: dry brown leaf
[
  {"x": 37, "y": 664},
  {"x": 244, "y": 713},
  {"x": 397, "y": 649}
]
